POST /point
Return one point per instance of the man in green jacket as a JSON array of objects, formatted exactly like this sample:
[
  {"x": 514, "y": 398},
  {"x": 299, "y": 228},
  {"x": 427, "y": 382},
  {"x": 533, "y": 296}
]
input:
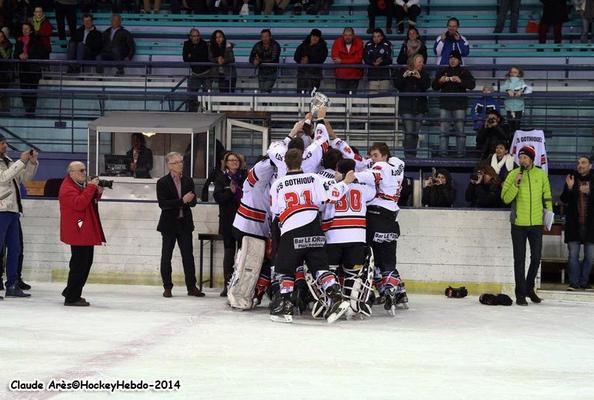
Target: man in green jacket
[{"x": 529, "y": 190}]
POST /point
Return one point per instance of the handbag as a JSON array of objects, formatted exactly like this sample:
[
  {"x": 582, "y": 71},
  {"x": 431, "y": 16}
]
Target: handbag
[{"x": 533, "y": 22}]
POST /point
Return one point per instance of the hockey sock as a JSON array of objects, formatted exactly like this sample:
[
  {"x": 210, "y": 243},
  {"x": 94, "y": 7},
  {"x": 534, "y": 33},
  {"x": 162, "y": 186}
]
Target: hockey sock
[
  {"x": 261, "y": 286},
  {"x": 326, "y": 279},
  {"x": 390, "y": 279},
  {"x": 287, "y": 283}
]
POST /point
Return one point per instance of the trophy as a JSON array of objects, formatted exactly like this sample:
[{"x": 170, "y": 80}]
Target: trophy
[{"x": 318, "y": 100}]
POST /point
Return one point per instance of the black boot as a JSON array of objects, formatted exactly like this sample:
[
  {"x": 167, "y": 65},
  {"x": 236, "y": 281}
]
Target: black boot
[
  {"x": 23, "y": 286},
  {"x": 533, "y": 297},
  {"x": 281, "y": 309},
  {"x": 339, "y": 305},
  {"x": 521, "y": 301},
  {"x": 15, "y": 291},
  {"x": 1, "y": 284}
]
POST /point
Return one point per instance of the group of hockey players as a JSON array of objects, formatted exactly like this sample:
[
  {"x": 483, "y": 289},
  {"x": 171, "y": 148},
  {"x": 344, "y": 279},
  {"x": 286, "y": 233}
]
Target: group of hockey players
[{"x": 317, "y": 228}]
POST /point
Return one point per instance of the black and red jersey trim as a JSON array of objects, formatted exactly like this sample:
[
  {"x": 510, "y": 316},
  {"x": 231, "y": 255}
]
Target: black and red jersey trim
[
  {"x": 294, "y": 210},
  {"x": 250, "y": 213}
]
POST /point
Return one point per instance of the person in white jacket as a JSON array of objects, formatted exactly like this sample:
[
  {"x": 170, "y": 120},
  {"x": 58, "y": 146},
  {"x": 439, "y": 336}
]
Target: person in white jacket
[{"x": 12, "y": 174}]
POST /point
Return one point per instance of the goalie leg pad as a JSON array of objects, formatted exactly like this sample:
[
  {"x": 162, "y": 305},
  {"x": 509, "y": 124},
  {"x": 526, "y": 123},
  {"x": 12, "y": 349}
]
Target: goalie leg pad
[{"x": 248, "y": 264}]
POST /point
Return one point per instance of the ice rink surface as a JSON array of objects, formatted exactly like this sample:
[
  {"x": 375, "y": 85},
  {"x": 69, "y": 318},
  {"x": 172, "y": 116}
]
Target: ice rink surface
[{"x": 438, "y": 349}]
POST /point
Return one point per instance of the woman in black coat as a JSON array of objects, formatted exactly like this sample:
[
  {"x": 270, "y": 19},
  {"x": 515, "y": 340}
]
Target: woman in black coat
[
  {"x": 141, "y": 157},
  {"x": 313, "y": 50},
  {"x": 484, "y": 190},
  {"x": 554, "y": 13},
  {"x": 412, "y": 46},
  {"x": 413, "y": 79},
  {"x": 29, "y": 47},
  {"x": 492, "y": 133},
  {"x": 227, "y": 193},
  {"x": 439, "y": 190}
]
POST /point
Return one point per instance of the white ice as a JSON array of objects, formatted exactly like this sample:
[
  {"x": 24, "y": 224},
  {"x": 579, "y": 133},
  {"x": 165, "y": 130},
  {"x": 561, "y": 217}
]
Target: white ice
[{"x": 438, "y": 349}]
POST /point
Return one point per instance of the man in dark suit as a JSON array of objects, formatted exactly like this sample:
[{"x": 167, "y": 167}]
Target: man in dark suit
[
  {"x": 118, "y": 43},
  {"x": 176, "y": 194}
]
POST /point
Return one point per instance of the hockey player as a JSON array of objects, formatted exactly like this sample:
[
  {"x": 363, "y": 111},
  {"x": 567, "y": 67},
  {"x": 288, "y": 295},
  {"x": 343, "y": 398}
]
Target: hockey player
[
  {"x": 383, "y": 230},
  {"x": 296, "y": 199}
]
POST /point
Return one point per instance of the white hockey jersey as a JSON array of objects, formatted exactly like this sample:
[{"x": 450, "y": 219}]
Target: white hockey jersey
[
  {"x": 535, "y": 139},
  {"x": 360, "y": 163},
  {"x": 253, "y": 214},
  {"x": 297, "y": 197},
  {"x": 387, "y": 178},
  {"x": 344, "y": 220}
]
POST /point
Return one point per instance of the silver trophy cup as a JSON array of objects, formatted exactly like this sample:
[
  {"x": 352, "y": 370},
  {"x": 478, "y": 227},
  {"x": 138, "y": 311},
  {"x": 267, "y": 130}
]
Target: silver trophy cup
[{"x": 318, "y": 100}]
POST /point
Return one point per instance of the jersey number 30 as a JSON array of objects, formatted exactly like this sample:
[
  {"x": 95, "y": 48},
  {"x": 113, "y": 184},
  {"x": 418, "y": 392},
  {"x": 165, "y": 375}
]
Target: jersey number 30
[{"x": 350, "y": 200}]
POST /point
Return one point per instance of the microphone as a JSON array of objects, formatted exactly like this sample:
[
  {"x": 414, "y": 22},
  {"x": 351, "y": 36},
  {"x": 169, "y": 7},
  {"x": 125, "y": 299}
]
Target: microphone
[{"x": 521, "y": 174}]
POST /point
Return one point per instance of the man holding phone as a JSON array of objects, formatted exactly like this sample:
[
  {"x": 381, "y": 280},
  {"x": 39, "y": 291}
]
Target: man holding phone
[{"x": 12, "y": 175}]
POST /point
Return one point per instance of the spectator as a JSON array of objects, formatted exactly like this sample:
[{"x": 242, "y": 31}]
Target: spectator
[
  {"x": 221, "y": 53},
  {"x": 85, "y": 44},
  {"x": 554, "y": 14},
  {"x": 483, "y": 107},
  {"x": 412, "y": 46},
  {"x": 380, "y": 7},
  {"x": 490, "y": 134},
  {"x": 529, "y": 189},
  {"x": 277, "y": 7},
  {"x": 585, "y": 9},
  {"x": 196, "y": 51},
  {"x": 450, "y": 41},
  {"x": 313, "y": 50},
  {"x": 311, "y": 7},
  {"x": 228, "y": 193},
  {"x": 267, "y": 50},
  {"x": 80, "y": 227},
  {"x": 197, "y": 7},
  {"x": 377, "y": 54},
  {"x": 118, "y": 44},
  {"x": 141, "y": 157},
  {"x": 347, "y": 49},
  {"x": 176, "y": 194},
  {"x": 6, "y": 48},
  {"x": 515, "y": 87},
  {"x": 413, "y": 79},
  {"x": 29, "y": 47},
  {"x": 484, "y": 189},
  {"x": 66, "y": 9},
  {"x": 513, "y": 6},
  {"x": 502, "y": 162},
  {"x": 146, "y": 9},
  {"x": 407, "y": 8},
  {"x": 5, "y": 13},
  {"x": 453, "y": 79},
  {"x": 12, "y": 175},
  {"x": 21, "y": 10},
  {"x": 43, "y": 30},
  {"x": 579, "y": 223},
  {"x": 438, "y": 190},
  {"x": 242, "y": 7}
]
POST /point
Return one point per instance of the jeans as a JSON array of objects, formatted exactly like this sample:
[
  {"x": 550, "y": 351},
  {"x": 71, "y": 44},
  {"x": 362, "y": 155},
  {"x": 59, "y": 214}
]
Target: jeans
[
  {"x": 513, "y": 6},
  {"x": 266, "y": 81},
  {"x": 10, "y": 226},
  {"x": 579, "y": 273},
  {"x": 449, "y": 119},
  {"x": 411, "y": 124},
  {"x": 525, "y": 283}
]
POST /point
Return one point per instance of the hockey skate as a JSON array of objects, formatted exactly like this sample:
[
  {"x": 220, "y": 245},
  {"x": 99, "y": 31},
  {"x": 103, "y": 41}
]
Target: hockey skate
[
  {"x": 281, "y": 309},
  {"x": 338, "y": 304},
  {"x": 395, "y": 298},
  {"x": 300, "y": 297}
]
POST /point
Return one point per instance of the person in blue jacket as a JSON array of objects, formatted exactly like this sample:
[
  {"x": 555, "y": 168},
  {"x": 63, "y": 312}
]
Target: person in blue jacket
[
  {"x": 483, "y": 106},
  {"x": 449, "y": 41}
]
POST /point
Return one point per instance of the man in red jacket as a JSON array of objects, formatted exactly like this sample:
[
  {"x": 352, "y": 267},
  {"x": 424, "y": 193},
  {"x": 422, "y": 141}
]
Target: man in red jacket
[
  {"x": 347, "y": 49},
  {"x": 80, "y": 227}
]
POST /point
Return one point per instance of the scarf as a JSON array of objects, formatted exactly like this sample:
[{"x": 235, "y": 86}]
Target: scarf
[
  {"x": 235, "y": 178},
  {"x": 5, "y": 51},
  {"x": 36, "y": 22},
  {"x": 413, "y": 47},
  {"x": 507, "y": 160}
]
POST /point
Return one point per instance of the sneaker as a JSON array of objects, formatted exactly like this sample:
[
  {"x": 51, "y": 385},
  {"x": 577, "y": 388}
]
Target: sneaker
[
  {"x": 521, "y": 301},
  {"x": 15, "y": 291},
  {"x": 534, "y": 298},
  {"x": 587, "y": 287},
  {"x": 572, "y": 288},
  {"x": 23, "y": 286},
  {"x": 281, "y": 309}
]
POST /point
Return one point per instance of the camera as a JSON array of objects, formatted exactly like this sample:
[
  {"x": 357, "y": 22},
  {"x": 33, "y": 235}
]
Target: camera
[
  {"x": 476, "y": 176},
  {"x": 105, "y": 183}
]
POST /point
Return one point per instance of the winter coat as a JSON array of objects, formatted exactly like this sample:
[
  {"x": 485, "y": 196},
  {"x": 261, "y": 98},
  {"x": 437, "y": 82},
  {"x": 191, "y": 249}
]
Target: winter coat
[
  {"x": 226, "y": 200},
  {"x": 374, "y": 51},
  {"x": 403, "y": 55},
  {"x": 554, "y": 12},
  {"x": 530, "y": 198},
  {"x": 6, "y": 68},
  {"x": 468, "y": 83},
  {"x": 484, "y": 195},
  {"x": 196, "y": 53},
  {"x": 443, "y": 48},
  {"x": 122, "y": 40},
  {"x": 268, "y": 55},
  {"x": 80, "y": 224},
  {"x": 316, "y": 55},
  {"x": 19, "y": 171},
  {"x": 514, "y": 84},
  {"x": 487, "y": 139},
  {"x": 438, "y": 196},
  {"x": 45, "y": 34},
  {"x": 503, "y": 166},
  {"x": 354, "y": 55},
  {"x": 227, "y": 69},
  {"x": 94, "y": 42},
  {"x": 144, "y": 165},
  {"x": 36, "y": 52},
  {"x": 411, "y": 84},
  {"x": 481, "y": 109},
  {"x": 572, "y": 198}
]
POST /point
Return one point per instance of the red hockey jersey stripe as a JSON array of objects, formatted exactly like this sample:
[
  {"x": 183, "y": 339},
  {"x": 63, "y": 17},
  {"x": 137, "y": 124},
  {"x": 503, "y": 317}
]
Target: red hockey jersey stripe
[
  {"x": 292, "y": 210},
  {"x": 248, "y": 213}
]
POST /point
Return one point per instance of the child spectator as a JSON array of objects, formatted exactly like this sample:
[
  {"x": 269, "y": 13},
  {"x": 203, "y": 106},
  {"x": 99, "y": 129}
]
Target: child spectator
[
  {"x": 490, "y": 134},
  {"x": 515, "y": 87},
  {"x": 483, "y": 106}
]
